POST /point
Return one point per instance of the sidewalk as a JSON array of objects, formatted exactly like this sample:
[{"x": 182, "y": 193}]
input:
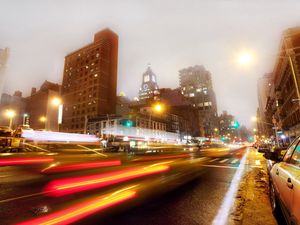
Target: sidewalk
[{"x": 252, "y": 205}]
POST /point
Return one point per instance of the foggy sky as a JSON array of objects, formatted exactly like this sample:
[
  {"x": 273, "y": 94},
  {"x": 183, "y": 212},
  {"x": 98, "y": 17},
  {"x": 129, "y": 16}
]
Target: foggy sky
[{"x": 170, "y": 35}]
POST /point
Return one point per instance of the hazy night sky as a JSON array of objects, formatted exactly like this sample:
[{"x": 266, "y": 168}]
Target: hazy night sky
[{"x": 170, "y": 35}]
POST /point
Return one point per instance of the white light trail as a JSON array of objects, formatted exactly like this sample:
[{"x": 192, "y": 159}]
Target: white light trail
[{"x": 223, "y": 213}]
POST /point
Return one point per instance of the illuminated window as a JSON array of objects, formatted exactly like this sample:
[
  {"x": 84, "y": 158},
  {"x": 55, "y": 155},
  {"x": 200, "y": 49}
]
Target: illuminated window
[
  {"x": 192, "y": 94},
  {"x": 198, "y": 89}
]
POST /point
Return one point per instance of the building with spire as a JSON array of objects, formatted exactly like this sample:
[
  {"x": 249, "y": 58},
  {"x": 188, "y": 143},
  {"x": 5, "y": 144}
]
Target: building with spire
[{"x": 149, "y": 88}]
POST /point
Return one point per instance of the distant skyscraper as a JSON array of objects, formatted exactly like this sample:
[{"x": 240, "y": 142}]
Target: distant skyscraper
[
  {"x": 3, "y": 60},
  {"x": 149, "y": 88},
  {"x": 90, "y": 81},
  {"x": 196, "y": 85}
]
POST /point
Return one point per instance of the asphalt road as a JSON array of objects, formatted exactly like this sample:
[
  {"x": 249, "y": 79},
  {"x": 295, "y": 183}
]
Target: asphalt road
[{"x": 196, "y": 202}]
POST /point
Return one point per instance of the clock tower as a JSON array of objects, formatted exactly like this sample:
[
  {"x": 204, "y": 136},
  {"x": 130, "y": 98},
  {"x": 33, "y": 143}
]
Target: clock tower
[{"x": 149, "y": 88}]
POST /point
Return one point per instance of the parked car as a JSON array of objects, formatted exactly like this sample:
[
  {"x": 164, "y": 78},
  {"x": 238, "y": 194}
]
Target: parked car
[{"x": 285, "y": 182}]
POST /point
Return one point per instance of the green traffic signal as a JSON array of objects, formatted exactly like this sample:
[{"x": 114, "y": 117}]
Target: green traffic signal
[
  {"x": 127, "y": 123},
  {"x": 235, "y": 124}
]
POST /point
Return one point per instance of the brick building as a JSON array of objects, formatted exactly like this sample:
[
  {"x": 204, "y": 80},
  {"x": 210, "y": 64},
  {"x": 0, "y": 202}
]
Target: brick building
[{"x": 89, "y": 81}]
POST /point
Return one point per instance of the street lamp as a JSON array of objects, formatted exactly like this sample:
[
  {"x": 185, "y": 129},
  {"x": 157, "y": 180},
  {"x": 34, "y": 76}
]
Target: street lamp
[
  {"x": 245, "y": 58},
  {"x": 56, "y": 101},
  {"x": 158, "y": 108},
  {"x": 10, "y": 114},
  {"x": 43, "y": 119}
]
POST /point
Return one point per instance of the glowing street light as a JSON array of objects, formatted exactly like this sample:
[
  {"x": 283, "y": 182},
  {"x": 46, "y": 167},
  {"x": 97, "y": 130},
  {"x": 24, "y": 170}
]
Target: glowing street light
[
  {"x": 56, "y": 101},
  {"x": 245, "y": 58},
  {"x": 10, "y": 114},
  {"x": 158, "y": 107},
  {"x": 43, "y": 119},
  {"x": 254, "y": 129},
  {"x": 254, "y": 118}
]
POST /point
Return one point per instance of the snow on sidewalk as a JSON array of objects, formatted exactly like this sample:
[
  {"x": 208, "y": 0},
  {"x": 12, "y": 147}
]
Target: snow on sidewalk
[{"x": 252, "y": 204}]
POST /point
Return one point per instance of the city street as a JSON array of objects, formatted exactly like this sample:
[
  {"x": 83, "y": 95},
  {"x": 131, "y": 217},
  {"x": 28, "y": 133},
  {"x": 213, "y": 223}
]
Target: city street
[
  {"x": 150, "y": 112},
  {"x": 197, "y": 202}
]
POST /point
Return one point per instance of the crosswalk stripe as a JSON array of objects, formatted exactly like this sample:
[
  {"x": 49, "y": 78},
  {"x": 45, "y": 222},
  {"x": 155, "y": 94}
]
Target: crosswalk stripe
[
  {"x": 213, "y": 160},
  {"x": 234, "y": 161},
  {"x": 224, "y": 160},
  {"x": 257, "y": 162}
]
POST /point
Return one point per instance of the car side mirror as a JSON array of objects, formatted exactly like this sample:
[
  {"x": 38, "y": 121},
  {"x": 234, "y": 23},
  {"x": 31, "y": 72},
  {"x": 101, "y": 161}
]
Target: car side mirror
[
  {"x": 263, "y": 150},
  {"x": 272, "y": 156}
]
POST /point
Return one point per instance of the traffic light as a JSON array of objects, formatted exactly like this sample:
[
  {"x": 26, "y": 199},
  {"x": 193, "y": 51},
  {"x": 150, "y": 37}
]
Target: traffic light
[
  {"x": 235, "y": 124},
  {"x": 127, "y": 123}
]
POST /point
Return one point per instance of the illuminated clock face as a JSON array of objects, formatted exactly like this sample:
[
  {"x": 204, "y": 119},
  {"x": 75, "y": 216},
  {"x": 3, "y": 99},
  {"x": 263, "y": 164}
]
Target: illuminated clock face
[
  {"x": 145, "y": 86},
  {"x": 146, "y": 78}
]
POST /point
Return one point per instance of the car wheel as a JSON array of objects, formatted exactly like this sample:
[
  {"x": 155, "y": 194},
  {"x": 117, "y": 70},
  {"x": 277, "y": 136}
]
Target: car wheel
[{"x": 274, "y": 200}]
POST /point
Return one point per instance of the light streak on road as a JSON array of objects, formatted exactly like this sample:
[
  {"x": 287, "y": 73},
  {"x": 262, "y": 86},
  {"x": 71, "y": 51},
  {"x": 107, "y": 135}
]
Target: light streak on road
[
  {"x": 67, "y": 186},
  {"x": 24, "y": 161},
  {"x": 161, "y": 158},
  {"x": 58, "y": 136},
  {"x": 82, "y": 210},
  {"x": 81, "y": 166},
  {"x": 224, "y": 210}
]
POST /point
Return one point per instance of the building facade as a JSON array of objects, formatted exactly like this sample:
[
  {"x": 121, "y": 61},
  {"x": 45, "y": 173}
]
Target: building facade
[
  {"x": 283, "y": 100},
  {"x": 196, "y": 85},
  {"x": 39, "y": 108},
  {"x": 149, "y": 88},
  {"x": 90, "y": 81},
  {"x": 14, "y": 102},
  {"x": 264, "y": 86}
]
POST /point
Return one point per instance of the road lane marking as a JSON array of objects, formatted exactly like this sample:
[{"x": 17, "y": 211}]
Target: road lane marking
[
  {"x": 257, "y": 162},
  {"x": 20, "y": 197},
  {"x": 224, "y": 211},
  {"x": 234, "y": 161},
  {"x": 213, "y": 160},
  {"x": 217, "y": 166},
  {"x": 224, "y": 160}
]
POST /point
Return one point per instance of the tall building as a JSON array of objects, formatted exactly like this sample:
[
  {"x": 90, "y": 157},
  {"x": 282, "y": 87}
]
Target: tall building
[
  {"x": 263, "y": 89},
  {"x": 181, "y": 112},
  {"x": 196, "y": 86},
  {"x": 149, "y": 88},
  {"x": 3, "y": 60},
  {"x": 90, "y": 81},
  {"x": 283, "y": 100}
]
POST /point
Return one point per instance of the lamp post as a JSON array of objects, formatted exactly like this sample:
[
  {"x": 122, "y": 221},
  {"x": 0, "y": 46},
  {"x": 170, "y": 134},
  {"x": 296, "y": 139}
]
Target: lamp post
[
  {"x": 43, "y": 119},
  {"x": 156, "y": 108},
  {"x": 10, "y": 114}
]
